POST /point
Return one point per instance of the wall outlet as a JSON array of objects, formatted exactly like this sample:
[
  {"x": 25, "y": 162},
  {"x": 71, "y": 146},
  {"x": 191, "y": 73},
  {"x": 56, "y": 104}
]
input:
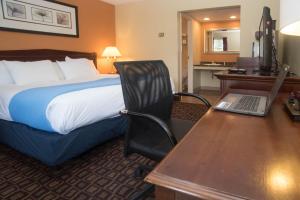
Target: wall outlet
[{"x": 162, "y": 34}]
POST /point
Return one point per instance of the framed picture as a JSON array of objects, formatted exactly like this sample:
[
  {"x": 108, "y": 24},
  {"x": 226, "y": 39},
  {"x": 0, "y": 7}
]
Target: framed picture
[{"x": 39, "y": 16}]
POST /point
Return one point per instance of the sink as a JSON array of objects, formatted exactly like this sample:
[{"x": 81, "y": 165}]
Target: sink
[{"x": 212, "y": 64}]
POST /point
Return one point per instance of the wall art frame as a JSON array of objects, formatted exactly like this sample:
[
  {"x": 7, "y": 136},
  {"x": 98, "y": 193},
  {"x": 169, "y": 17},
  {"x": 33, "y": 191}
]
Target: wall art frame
[{"x": 39, "y": 17}]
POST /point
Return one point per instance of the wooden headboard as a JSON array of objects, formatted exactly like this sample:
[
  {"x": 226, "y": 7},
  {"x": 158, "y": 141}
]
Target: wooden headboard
[{"x": 44, "y": 54}]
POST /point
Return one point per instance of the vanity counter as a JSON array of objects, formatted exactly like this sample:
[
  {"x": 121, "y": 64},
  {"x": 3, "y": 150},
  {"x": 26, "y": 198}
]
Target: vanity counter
[{"x": 211, "y": 68}]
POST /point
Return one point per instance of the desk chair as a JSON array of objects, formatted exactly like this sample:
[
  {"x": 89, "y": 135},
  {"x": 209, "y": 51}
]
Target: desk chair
[{"x": 148, "y": 100}]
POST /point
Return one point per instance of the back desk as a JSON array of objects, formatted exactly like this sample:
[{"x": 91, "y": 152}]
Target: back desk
[
  {"x": 254, "y": 81},
  {"x": 233, "y": 156}
]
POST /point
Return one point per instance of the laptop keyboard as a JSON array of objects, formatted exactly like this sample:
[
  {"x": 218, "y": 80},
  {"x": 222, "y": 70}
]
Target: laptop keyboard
[{"x": 248, "y": 103}]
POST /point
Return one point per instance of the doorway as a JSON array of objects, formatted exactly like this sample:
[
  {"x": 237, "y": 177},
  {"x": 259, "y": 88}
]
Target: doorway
[
  {"x": 209, "y": 43},
  {"x": 186, "y": 53}
]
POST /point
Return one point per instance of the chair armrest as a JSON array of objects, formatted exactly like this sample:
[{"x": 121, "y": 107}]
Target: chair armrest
[
  {"x": 154, "y": 119},
  {"x": 205, "y": 101}
]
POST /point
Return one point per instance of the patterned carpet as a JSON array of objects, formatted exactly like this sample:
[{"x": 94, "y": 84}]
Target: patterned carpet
[{"x": 102, "y": 173}]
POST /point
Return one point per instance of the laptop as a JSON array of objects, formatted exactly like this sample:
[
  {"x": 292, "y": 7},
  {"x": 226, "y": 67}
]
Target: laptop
[{"x": 252, "y": 104}]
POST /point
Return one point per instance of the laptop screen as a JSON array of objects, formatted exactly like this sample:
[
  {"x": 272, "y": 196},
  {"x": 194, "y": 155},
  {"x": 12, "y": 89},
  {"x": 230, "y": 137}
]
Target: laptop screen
[{"x": 278, "y": 82}]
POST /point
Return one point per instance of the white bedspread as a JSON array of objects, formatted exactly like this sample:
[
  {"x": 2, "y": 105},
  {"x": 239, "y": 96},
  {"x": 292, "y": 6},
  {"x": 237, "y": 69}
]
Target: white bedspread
[{"x": 71, "y": 110}]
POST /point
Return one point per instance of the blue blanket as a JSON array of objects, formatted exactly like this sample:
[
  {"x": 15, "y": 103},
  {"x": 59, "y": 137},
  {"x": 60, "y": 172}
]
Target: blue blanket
[{"x": 29, "y": 106}]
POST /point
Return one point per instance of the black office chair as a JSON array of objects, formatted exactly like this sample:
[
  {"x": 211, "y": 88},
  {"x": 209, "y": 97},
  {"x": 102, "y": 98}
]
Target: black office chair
[{"x": 148, "y": 100}]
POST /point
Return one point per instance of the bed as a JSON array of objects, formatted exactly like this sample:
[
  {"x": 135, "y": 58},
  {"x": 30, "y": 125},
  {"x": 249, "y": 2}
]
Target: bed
[{"x": 50, "y": 147}]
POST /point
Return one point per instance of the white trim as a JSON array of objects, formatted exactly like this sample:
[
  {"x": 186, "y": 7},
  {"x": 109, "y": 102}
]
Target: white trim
[{"x": 190, "y": 56}]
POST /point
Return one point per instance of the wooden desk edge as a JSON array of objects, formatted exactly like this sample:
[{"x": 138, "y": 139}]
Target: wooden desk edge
[
  {"x": 177, "y": 184},
  {"x": 188, "y": 188},
  {"x": 185, "y": 187}
]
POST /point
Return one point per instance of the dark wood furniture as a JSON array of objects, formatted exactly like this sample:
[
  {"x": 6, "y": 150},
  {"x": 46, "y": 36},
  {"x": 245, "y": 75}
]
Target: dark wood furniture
[
  {"x": 254, "y": 81},
  {"x": 233, "y": 156},
  {"x": 45, "y": 54}
]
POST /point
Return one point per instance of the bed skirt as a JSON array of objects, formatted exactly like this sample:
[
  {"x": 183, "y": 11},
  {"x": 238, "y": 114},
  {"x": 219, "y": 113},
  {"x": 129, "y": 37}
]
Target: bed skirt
[{"x": 52, "y": 148}]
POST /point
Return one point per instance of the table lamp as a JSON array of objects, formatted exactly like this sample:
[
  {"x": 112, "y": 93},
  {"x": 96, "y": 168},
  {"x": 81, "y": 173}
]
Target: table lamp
[
  {"x": 111, "y": 53},
  {"x": 290, "y": 17}
]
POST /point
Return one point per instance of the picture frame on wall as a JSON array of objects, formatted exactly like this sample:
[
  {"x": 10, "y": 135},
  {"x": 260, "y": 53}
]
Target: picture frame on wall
[{"x": 40, "y": 17}]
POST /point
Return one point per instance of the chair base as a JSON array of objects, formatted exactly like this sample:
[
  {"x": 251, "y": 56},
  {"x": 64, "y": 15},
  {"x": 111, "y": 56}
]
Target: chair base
[
  {"x": 149, "y": 189},
  {"x": 142, "y": 171}
]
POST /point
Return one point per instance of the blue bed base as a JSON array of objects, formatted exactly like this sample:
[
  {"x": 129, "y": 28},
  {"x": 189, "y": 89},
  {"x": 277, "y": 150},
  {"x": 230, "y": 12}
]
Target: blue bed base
[{"x": 54, "y": 149}]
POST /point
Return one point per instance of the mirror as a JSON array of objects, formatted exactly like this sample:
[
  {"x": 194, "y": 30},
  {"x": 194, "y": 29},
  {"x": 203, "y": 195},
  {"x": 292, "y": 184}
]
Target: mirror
[{"x": 222, "y": 41}]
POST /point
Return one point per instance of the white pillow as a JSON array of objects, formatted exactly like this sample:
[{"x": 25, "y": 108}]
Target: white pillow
[
  {"x": 78, "y": 68},
  {"x": 31, "y": 72},
  {"x": 58, "y": 71},
  {"x": 68, "y": 58},
  {"x": 5, "y": 77}
]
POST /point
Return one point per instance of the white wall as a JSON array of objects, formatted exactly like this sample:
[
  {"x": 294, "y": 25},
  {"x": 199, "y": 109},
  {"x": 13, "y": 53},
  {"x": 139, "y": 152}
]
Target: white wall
[{"x": 138, "y": 25}]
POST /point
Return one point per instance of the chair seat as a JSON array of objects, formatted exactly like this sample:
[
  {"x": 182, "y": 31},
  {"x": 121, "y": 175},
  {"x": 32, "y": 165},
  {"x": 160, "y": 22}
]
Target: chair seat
[
  {"x": 158, "y": 150},
  {"x": 180, "y": 127}
]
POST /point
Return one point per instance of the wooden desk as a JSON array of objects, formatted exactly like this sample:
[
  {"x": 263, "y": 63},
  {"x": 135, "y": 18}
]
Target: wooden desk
[
  {"x": 232, "y": 156},
  {"x": 254, "y": 81}
]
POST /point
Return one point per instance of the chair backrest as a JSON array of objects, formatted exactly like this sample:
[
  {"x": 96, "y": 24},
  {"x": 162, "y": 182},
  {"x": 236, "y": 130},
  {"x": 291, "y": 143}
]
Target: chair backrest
[{"x": 146, "y": 87}]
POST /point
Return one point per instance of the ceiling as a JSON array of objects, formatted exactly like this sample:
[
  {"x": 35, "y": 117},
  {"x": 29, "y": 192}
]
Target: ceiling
[
  {"x": 118, "y": 2},
  {"x": 215, "y": 14}
]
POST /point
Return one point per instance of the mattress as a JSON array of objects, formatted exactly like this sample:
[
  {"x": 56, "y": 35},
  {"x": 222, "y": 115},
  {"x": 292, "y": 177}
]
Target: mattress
[{"x": 71, "y": 110}]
